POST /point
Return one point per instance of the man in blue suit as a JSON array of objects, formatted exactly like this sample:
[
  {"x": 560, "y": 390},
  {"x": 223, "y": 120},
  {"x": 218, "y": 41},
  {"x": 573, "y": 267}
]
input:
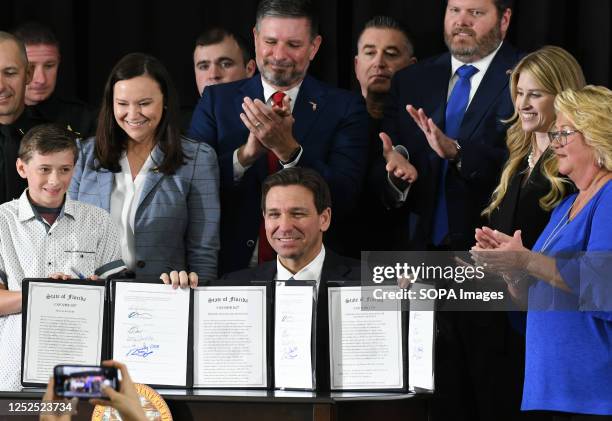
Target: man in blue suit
[
  {"x": 447, "y": 115},
  {"x": 279, "y": 118}
]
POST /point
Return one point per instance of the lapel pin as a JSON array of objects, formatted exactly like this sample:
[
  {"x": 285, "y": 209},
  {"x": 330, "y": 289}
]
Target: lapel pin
[
  {"x": 509, "y": 71},
  {"x": 314, "y": 105}
]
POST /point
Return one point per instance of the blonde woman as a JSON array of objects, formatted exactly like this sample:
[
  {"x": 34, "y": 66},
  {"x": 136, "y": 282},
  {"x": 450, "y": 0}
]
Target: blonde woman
[
  {"x": 530, "y": 186},
  {"x": 568, "y": 368}
]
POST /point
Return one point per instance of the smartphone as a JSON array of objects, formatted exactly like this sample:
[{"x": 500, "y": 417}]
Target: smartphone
[{"x": 83, "y": 381}]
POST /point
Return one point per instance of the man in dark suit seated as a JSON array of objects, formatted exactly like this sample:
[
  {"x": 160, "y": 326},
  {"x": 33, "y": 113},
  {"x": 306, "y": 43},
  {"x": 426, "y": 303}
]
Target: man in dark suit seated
[
  {"x": 296, "y": 205},
  {"x": 43, "y": 52},
  {"x": 279, "y": 118}
]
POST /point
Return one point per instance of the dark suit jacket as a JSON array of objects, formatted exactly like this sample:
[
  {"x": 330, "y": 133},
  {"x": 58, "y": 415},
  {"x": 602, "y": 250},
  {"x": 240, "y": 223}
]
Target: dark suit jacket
[
  {"x": 482, "y": 139},
  {"x": 520, "y": 208},
  {"x": 331, "y": 125},
  {"x": 335, "y": 268}
]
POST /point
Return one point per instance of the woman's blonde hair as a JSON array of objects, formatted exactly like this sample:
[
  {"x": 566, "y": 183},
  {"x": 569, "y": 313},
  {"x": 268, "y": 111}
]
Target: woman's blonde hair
[
  {"x": 590, "y": 110},
  {"x": 555, "y": 70}
]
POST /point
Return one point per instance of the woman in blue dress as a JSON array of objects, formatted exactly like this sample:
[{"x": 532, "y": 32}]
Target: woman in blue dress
[{"x": 568, "y": 366}]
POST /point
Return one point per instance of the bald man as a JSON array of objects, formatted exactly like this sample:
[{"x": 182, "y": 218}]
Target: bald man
[{"x": 15, "y": 120}]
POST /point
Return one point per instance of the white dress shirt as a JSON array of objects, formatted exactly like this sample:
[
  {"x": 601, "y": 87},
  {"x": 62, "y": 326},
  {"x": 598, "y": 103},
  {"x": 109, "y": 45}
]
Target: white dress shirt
[
  {"x": 124, "y": 200},
  {"x": 310, "y": 272},
  {"x": 482, "y": 65}
]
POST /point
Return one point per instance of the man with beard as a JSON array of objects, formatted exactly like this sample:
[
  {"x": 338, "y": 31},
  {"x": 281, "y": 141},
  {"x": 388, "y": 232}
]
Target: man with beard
[
  {"x": 277, "y": 119},
  {"x": 447, "y": 115},
  {"x": 15, "y": 118}
]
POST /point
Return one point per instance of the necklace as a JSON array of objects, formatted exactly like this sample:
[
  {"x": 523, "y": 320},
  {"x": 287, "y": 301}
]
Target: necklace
[
  {"x": 531, "y": 159},
  {"x": 556, "y": 230}
]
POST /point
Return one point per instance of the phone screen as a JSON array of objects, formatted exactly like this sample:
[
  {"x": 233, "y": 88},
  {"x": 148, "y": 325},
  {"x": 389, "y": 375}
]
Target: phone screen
[{"x": 82, "y": 381}]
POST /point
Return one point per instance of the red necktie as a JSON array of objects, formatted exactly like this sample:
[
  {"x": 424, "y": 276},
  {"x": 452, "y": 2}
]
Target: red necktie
[{"x": 265, "y": 252}]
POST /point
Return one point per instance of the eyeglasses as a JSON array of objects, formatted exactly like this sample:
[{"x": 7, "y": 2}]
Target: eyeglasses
[{"x": 560, "y": 138}]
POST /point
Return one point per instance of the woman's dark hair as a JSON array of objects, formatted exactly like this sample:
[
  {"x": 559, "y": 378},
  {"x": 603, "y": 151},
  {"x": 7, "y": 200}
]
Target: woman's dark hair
[{"x": 111, "y": 139}]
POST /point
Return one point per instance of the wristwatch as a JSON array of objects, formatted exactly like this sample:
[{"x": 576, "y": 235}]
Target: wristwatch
[
  {"x": 293, "y": 157},
  {"x": 457, "y": 159}
]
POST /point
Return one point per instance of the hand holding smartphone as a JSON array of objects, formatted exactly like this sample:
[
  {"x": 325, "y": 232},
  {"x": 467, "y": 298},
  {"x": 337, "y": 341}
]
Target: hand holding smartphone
[{"x": 84, "y": 381}]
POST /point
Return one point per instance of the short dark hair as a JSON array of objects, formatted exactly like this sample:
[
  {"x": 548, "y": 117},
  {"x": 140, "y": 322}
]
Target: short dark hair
[
  {"x": 46, "y": 139},
  {"x": 32, "y": 33},
  {"x": 288, "y": 9},
  {"x": 298, "y": 176},
  {"x": 216, "y": 35},
  {"x": 5, "y": 36},
  {"x": 111, "y": 139},
  {"x": 387, "y": 22},
  {"x": 502, "y": 5}
]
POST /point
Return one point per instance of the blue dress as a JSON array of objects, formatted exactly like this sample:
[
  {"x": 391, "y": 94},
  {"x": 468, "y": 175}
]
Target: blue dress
[{"x": 568, "y": 364}]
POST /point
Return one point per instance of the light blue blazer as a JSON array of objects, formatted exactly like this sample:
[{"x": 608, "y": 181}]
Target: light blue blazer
[{"x": 176, "y": 226}]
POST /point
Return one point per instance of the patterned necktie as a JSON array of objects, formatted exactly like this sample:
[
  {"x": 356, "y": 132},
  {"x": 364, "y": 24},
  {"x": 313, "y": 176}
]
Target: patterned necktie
[
  {"x": 265, "y": 252},
  {"x": 455, "y": 109}
]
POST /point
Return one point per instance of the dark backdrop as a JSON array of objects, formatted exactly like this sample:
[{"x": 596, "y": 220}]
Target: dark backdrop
[{"x": 95, "y": 34}]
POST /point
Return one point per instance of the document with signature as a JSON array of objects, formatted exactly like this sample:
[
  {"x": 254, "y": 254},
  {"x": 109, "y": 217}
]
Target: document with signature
[
  {"x": 230, "y": 326},
  {"x": 64, "y": 324},
  {"x": 365, "y": 340},
  {"x": 151, "y": 332},
  {"x": 421, "y": 341},
  {"x": 293, "y": 333}
]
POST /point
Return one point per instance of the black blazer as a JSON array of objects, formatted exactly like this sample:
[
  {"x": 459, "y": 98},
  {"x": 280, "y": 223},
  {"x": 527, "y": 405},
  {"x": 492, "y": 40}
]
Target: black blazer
[
  {"x": 482, "y": 139},
  {"x": 335, "y": 268},
  {"x": 520, "y": 207}
]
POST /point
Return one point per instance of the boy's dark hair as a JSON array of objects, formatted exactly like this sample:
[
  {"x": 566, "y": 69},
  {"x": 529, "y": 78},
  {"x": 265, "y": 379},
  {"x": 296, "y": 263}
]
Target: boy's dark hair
[
  {"x": 46, "y": 139},
  {"x": 298, "y": 176},
  {"x": 288, "y": 9},
  {"x": 216, "y": 35},
  {"x": 32, "y": 33}
]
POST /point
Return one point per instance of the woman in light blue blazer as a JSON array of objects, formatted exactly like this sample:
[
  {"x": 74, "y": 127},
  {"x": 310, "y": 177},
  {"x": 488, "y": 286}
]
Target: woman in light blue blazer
[{"x": 160, "y": 188}]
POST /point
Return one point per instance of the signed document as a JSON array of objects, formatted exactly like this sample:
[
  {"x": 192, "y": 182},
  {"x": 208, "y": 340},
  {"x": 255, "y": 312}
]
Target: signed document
[
  {"x": 365, "y": 342},
  {"x": 230, "y": 337},
  {"x": 293, "y": 367},
  {"x": 64, "y": 325},
  {"x": 421, "y": 340},
  {"x": 151, "y": 327}
]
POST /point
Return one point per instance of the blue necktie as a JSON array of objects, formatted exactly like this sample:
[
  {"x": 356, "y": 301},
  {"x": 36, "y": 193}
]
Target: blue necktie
[{"x": 455, "y": 109}]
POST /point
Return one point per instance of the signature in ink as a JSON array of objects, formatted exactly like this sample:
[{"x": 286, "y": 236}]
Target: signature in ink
[
  {"x": 134, "y": 330},
  {"x": 138, "y": 315},
  {"x": 291, "y": 352},
  {"x": 142, "y": 351}
]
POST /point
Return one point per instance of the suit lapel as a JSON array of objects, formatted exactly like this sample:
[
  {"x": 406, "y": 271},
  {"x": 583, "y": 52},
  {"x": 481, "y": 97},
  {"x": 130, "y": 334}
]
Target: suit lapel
[
  {"x": 266, "y": 271},
  {"x": 251, "y": 88},
  {"x": 153, "y": 176},
  {"x": 105, "y": 186},
  {"x": 333, "y": 268},
  {"x": 309, "y": 104},
  {"x": 435, "y": 103},
  {"x": 491, "y": 87}
]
